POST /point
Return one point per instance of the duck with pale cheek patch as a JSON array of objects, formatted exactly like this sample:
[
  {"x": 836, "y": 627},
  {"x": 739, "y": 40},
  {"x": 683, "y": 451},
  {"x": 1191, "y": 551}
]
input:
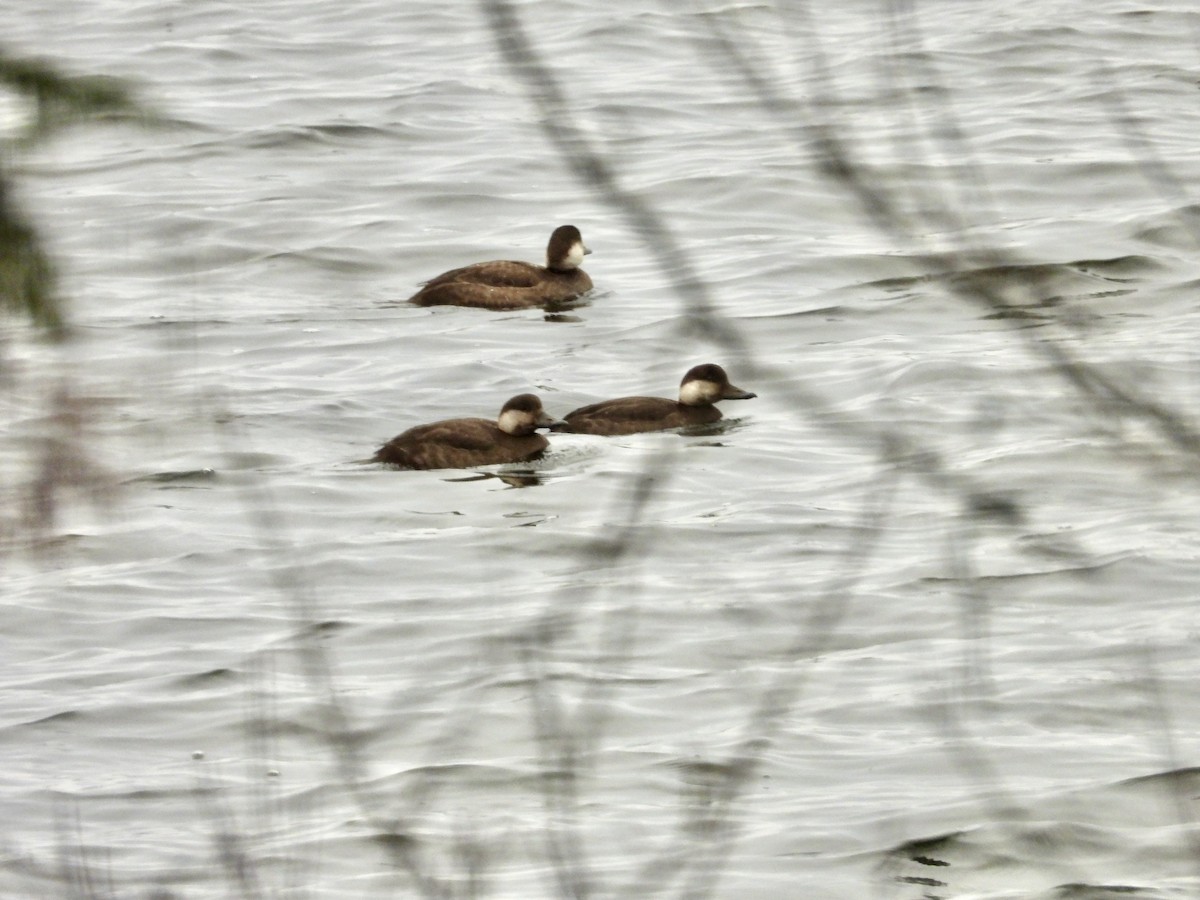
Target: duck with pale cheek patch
[
  {"x": 505, "y": 284},
  {"x": 701, "y": 387},
  {"x": 466, "y": 443}
]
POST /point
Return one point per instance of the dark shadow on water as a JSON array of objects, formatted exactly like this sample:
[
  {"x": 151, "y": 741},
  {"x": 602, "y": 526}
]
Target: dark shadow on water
[
  {"x": 514, "y": 478},
  {"x": 182, "y": 479},
  {"x": 559, "y": 312},
  {"x": 723, "y": 426}
]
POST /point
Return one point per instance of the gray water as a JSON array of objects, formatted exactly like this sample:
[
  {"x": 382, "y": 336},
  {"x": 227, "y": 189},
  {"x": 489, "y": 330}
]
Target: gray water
[{"x": 918, "y": 621}]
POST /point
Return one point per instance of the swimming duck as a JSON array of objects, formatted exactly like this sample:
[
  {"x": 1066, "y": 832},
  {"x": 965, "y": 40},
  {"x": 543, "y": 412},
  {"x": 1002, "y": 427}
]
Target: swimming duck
[
  {"x": 701, "y": 387},
  {"x": 505, "y": 284},
  {"x": 465, "y": 443}
]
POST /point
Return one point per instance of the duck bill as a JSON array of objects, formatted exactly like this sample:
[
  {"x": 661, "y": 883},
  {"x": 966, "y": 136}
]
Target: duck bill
[
  {"x": 545, "y": 420},
  {"x": 736, "y": 393}
]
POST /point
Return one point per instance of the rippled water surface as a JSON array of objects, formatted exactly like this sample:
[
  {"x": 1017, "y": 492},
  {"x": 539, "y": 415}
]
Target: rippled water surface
[{"x": 918, "y": 621}]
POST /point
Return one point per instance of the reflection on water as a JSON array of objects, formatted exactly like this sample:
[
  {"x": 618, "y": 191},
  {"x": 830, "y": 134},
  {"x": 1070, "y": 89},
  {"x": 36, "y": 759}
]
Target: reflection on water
[
  {"x": 516, "y": 478},
  {"x": 173, "y": 478}
]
